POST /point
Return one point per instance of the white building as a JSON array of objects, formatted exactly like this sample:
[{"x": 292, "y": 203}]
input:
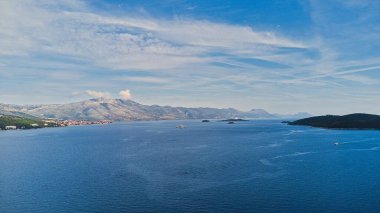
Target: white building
[{"x": 10, "y": 127}]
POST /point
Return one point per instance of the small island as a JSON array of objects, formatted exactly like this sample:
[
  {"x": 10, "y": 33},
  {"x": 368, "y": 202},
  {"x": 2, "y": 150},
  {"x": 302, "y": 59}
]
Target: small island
[
  {"x": 233, "y": 120},
  {"x": 351, "y": 121}
]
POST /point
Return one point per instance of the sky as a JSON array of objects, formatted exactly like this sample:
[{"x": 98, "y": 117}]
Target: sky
[{"x": 316, "y": 56}]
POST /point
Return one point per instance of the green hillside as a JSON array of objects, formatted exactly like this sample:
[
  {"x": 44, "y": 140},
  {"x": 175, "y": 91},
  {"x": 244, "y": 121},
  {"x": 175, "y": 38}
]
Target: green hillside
[
  {"x": 351, "y": 121},
  {"x": 19, "y": 122}
]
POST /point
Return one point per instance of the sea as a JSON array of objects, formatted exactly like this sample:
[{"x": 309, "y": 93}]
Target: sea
[{"x": 251, "y": 166}]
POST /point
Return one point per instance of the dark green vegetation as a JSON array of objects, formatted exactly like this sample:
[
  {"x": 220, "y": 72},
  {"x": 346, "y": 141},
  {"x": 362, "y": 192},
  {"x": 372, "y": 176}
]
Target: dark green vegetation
[
  {"x": 351, "y": 121},
  {"x": 20, "y": 122}
]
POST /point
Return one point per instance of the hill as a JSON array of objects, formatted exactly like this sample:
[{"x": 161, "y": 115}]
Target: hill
[
  {"x": 19, "y": 122},
  {"x": 351, "y": 121},
  {"x": 124, "y": 110}
]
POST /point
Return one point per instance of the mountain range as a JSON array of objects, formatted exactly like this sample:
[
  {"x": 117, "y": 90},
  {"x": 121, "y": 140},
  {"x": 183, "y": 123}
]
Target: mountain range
[{"x": 125, "y": 110}]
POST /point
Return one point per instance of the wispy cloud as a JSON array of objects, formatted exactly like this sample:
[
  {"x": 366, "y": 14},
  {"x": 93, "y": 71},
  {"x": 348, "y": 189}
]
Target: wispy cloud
[
  {"x": 97, "y": 94},
  {"x": 152, "y": 80},
  {"x": 127, "y": 42},
  {"x": 47, "y": 45},
  {"x": 360, "y": 78}
]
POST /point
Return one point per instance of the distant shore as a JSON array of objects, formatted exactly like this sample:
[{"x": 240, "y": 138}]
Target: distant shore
[
  {"x": 8, "y": 122},
  {"x": 81, "y": 122},
  {"x": 357, "y": 121}
]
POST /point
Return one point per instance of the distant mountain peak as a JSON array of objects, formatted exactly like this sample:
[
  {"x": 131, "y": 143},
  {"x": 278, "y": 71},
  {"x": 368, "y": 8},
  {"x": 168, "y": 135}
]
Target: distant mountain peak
[
  {"x": 102, "y": 100},
  {"x": 259, "y": 111},
  {"x": 110, "y": 101}
]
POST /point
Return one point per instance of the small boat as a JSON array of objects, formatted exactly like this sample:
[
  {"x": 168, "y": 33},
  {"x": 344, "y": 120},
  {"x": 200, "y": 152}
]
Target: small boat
[
  {"x": 181, "y": 126},
  {"x": 231, "y": 122},
  {"x": 336, "y": 143}
]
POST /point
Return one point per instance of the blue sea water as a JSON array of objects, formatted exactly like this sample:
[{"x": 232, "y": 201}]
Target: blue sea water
[{"x": 254, "y": 166}]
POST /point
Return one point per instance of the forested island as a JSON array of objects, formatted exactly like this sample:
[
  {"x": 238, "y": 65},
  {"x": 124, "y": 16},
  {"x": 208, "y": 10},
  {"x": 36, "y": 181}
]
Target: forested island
[{"x": 351, "y": 121}]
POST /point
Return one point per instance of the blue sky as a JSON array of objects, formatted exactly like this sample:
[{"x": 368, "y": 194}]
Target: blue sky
[{"x": 322, "y": 57}]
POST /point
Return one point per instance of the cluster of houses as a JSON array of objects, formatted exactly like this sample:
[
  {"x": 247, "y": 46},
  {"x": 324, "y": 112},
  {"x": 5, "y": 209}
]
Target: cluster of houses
[
  {"x": 81, "y": 122},
  {"x": 23, "y": 127},
  {"x": 62, "y": 123}
]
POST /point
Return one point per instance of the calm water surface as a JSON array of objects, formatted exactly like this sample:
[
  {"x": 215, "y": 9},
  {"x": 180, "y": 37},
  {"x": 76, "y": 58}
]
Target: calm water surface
[{"x": 255, "y": 166}]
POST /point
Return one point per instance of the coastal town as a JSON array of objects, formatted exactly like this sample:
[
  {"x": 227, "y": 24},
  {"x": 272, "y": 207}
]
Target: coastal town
[
  {"x": 8, "y": 122},
  {"x": 80, "y": 122}
]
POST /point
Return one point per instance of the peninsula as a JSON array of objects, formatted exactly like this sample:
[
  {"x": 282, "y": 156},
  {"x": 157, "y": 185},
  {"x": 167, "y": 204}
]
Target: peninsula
[{"x": 351, "y": 121}]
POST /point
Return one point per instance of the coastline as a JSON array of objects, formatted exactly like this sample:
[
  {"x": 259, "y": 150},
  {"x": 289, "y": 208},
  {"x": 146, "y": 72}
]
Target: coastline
[{"x": 55, "y": 124}]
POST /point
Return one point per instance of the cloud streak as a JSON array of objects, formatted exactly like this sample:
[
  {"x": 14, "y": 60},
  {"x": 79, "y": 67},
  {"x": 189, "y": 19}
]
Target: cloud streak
[
  {"x": 47, "y": 45},
  {"x": 97, "y": 94},
  {"x": 126, "y": 42}
]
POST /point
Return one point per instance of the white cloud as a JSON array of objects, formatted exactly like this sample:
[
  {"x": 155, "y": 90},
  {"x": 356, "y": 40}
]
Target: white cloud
[
  {"x": 209, "y": 34},
  {"x": 126, "y": 94},
  {"x": 97, "y": 94},
  {"x": 70, "y": 28}
]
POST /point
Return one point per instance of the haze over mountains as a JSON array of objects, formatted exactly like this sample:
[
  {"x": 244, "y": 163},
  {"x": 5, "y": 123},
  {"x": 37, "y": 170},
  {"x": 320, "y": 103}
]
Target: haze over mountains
[{"x": 125, "y": 110}]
